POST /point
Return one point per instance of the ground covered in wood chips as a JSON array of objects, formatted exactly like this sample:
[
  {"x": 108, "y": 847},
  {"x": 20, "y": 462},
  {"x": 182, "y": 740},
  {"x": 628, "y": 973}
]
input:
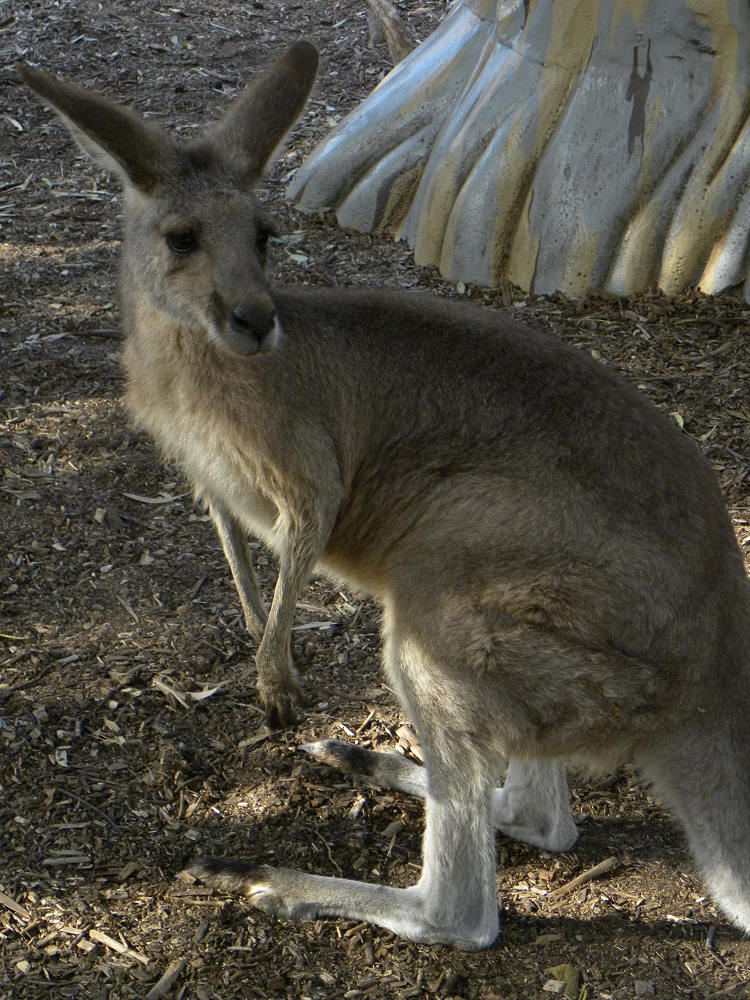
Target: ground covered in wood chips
[{"x": 130, "y": 734}]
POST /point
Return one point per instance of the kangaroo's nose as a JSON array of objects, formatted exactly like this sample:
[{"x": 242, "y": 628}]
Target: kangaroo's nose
[
  {"x": 255, "y": 317},
  {"x": 248, "y": 325}
]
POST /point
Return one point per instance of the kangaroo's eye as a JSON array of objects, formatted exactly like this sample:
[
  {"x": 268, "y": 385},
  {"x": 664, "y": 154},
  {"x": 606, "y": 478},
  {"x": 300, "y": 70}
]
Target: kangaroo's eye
[{"x": 182, "y": 242}]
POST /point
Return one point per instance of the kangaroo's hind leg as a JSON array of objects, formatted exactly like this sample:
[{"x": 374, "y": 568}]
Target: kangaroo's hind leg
[
  {"x": 454, "y": 902},
  {"x": 455, "y": 899},
  {"x": 532, "y": 806}
]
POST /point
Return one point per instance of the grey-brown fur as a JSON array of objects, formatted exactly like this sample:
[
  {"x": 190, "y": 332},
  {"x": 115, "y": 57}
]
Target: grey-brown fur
[{"x": 558, "y": 574}]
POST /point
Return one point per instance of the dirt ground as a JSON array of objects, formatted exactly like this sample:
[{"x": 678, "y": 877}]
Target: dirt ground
[{"x": 116, "y": 605}]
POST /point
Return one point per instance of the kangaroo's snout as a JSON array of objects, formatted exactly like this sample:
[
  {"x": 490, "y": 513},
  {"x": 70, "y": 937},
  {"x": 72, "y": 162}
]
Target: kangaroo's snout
[
  {"x": 246, "y": 326},
  {"x": 254, "y": 318}
]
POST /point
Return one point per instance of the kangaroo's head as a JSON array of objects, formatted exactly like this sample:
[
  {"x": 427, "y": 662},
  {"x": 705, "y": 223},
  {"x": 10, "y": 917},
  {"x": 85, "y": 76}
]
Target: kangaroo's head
[{"x": 195, "y": 237}]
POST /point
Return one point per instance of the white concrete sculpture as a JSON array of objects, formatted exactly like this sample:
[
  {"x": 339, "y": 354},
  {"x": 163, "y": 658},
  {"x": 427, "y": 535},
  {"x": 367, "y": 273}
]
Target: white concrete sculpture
[{"x": 558, "y": 144}]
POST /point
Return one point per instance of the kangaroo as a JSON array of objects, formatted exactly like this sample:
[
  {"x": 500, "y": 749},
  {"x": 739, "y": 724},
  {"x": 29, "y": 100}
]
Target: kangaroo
[{"x": 559, "y": 577}]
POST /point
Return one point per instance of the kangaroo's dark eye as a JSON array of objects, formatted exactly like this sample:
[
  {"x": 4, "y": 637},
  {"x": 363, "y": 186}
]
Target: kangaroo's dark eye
[{"x": 182, "y": 242}]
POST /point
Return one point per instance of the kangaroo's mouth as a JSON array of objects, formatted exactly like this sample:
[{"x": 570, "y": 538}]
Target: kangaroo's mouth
[
  {"x": 248, "y": 327},
  {"x": 246, "y": 343}
]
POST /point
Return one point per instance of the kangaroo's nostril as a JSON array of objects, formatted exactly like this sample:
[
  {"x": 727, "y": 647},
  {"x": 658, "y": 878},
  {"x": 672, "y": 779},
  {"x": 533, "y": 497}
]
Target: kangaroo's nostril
[
  {"x": 253, "y": 317},
  {"x": 242, "y": 316}
]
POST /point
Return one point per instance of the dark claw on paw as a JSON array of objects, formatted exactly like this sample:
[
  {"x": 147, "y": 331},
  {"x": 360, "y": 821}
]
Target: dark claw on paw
[{"x": 283, "y": 712}]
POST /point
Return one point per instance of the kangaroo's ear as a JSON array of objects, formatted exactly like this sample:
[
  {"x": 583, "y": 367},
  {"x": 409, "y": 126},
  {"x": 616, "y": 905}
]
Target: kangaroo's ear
[
  {"x": 262, "y": 115},
  {"x": 119, "y": 140}
]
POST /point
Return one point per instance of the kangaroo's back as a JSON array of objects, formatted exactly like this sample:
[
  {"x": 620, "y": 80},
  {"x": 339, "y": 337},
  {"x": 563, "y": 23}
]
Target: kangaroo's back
[{"x": 558, "y": 574}]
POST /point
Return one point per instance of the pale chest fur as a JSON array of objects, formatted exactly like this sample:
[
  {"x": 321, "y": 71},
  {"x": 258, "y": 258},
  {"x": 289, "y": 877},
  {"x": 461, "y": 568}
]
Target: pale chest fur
[{"x": 188, "y": 418}]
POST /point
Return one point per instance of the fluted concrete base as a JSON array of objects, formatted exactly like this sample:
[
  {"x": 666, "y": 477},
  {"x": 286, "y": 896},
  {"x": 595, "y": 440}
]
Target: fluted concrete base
[{"x": 561, "y": 145}]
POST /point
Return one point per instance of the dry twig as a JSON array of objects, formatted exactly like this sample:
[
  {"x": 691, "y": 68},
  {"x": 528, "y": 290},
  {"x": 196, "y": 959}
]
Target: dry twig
[
  {"x": 604, "y": 866},
  {"x": 167, "y": 981}
]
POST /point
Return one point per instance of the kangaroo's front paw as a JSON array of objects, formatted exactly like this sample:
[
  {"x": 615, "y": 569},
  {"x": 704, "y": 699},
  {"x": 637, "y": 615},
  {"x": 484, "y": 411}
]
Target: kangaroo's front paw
[{"x": 282, "y": 702}]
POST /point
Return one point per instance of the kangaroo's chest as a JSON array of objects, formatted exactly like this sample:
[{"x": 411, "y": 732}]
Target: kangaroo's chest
[{"x": 188, "y": 420}]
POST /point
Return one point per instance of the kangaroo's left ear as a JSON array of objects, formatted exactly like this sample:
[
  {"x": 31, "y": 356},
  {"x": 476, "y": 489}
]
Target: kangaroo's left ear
[{"x": 249, "y": 133}]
